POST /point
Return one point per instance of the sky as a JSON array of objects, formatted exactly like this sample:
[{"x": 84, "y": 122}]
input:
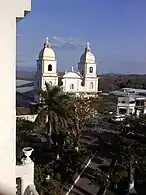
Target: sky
[{"x": 115, "y": 29}]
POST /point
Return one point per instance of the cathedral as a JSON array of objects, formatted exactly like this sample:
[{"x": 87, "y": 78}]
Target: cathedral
[{"x": 82, "y": 82}]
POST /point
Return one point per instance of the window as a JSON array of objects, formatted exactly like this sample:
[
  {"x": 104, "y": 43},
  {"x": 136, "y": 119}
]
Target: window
[
  {"x": 72, "y": 86},
  {"x": 49, "y": 67},
  {"x": 91, "y": 85},
  {"x": 122, "y": 110},
  {"x": 91, "y": 70},
  {"x": 130, "y": 111},
  {"x": 132, "y": 102}
]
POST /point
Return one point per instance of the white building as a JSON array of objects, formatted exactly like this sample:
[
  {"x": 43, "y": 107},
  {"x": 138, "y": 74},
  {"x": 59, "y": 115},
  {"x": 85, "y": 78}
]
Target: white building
[
  {"x": 131, "y": 104},
  {"x": 46, "y": 67},
  {"x": 126, "y": 105},
  {"x": 85, "y": 80},
  {"x": 140, "y": 105},
  {"x": 129, "y": 91}
]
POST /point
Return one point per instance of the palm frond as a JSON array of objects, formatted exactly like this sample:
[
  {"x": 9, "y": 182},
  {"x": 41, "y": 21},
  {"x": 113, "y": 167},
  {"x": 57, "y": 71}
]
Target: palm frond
[{"x": 41, "y": 118}]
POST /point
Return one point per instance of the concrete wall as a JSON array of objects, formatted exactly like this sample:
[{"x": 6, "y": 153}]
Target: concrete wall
[
  {"x": 9, "y": 11},
  {"x": 26, "y": 173}
]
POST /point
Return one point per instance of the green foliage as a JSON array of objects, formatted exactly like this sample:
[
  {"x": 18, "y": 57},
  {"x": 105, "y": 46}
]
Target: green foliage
[
  {"x": 63, "y": 120},
  {"x": 23, "y": 129},
  {"x": 112, "y": 82},
  {"x": 105, "y": 104},
  {"x": 60, "y": 171},
  {"x": 53, "y": 112}
]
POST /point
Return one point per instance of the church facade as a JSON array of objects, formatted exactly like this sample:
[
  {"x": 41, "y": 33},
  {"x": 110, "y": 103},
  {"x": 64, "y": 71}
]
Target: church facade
[{"x": 81, "y": 82}]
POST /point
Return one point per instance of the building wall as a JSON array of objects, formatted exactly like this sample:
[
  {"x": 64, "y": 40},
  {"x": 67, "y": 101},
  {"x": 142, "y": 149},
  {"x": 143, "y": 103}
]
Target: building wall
[
  {"x": 53, "y": 80},
  {"x": 44, "y": 75},
  {"x": 26, "y": 173},
  {"x": 89, "y": 81},
  {"x": 9, "y": 11},
  {"x": 69, "y": 82},
  {"x": 126, "y": 103}
]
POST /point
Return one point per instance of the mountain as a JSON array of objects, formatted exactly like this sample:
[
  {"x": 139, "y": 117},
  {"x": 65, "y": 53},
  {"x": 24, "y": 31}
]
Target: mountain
[{"x": 26, "y": 75}]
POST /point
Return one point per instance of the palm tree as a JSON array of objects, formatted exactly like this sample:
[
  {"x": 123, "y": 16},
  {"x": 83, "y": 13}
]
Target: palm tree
[{"x": 53, "y": 109}]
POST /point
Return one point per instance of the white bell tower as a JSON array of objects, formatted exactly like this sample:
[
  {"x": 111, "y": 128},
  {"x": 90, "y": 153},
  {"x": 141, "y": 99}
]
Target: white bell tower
[
  {"x": 87, "y": 67},
  {"x": 46, "y": 68}
]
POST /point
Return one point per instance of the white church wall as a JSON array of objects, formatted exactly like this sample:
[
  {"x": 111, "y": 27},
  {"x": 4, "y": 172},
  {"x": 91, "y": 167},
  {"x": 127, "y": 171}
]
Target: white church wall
[
  {"x": 87, "y": 69},
  {"x": 50, "y": 79},
  {"x": 72, "y": 85},
  {"x": 91, "y": 84},
  {"x": 46, "y": 63}
]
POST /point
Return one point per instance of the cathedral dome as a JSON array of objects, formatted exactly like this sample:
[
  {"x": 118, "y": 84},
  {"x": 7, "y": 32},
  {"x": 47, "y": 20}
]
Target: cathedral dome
[
  {"x": 87, "y": 56},
  {"x": 47, "y": 52}
]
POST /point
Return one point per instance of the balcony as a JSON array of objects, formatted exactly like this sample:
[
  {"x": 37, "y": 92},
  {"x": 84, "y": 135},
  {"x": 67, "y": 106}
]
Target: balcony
[{"x": 25, "y": 175}]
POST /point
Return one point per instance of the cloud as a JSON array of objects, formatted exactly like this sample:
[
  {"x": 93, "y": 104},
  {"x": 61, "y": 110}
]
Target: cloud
[{"x": 66, "y": 42}]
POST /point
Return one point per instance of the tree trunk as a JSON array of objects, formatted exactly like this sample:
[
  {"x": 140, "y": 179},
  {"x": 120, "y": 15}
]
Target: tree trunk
[
  {"x": 49, "y": 131},
  {"x": 131, "y": 178}
]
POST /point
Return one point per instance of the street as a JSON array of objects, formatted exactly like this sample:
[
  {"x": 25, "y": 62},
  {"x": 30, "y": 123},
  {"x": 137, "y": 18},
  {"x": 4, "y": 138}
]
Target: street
[{"x": 87, "y": 185}]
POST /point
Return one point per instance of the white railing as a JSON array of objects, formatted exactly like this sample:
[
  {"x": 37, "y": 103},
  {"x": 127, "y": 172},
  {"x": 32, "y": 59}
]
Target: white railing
[{"x": 28, "y": 117}]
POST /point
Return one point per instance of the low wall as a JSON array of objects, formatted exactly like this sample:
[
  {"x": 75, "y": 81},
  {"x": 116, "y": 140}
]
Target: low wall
[
  {"x": 28, "y": 117},
  {"x": 26, "y": 173}
]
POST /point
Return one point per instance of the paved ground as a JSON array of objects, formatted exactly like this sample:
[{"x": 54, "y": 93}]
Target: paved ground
[{"x": 86, "y": 185}]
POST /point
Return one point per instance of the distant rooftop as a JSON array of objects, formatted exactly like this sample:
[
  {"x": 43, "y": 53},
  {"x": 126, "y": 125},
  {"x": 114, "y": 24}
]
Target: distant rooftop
[
  {"x": 129, "y": 91},
  {"x": 22, "y": 82},
  {"x": 133, "y": 90},
  {"x": 24, "y": 92}
]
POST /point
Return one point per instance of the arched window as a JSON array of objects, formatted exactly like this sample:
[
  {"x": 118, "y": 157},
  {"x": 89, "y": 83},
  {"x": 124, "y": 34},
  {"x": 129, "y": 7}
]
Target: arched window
[
  {"x": 49, "y": 67},
  {"x": 72, "y": 86},
  {"x": 91, "y": 85},
  {"x": 91, "y": 70}
]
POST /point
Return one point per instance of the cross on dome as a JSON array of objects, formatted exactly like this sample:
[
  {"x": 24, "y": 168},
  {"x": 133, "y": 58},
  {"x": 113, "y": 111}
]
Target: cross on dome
[
  {"x": 88, "y": 46},
  {"x": 72, "y": 68},
  {"x": 47, "y": 44},
  {"x": 47, "y": 40}
]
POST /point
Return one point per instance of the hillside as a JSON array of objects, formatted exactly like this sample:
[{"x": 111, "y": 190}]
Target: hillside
[
  {"x": 107, "y": 82},
  {"x": 111, "y": 82},
  {"x": 26, "y": 75}
]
